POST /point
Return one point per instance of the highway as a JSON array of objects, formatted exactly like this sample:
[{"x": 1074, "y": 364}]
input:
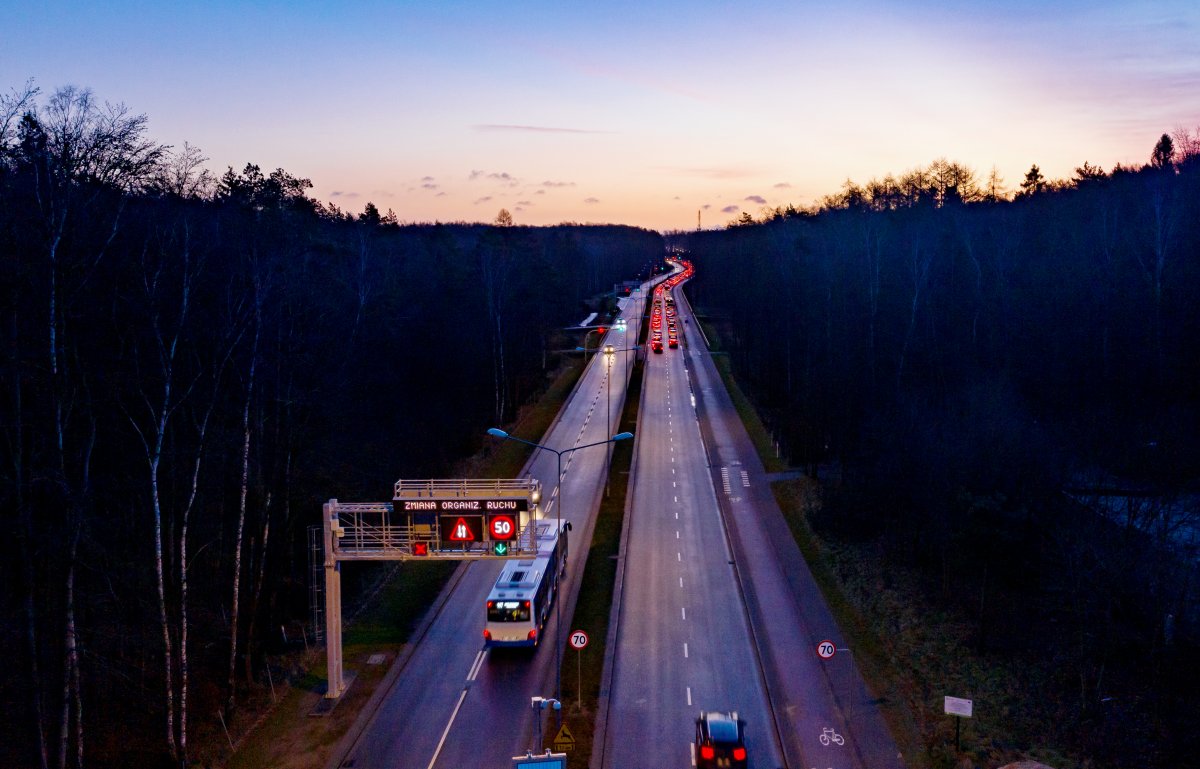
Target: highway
[
  {"x": 683, "y": 643},
  {"x": 716, "y": 608},
  {"x": 453, "y": 704},
  {"x": 812, "y": 700}
]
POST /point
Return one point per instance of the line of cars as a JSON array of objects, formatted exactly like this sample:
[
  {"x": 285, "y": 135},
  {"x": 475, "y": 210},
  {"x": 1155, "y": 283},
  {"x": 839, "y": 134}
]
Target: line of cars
[{"x": 664, "y": 304}]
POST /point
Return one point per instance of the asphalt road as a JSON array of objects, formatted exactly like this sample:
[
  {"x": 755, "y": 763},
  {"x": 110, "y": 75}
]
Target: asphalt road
[
  {"x": 683, "y": 640},
  {"x": 452, "y": 704},
  {"x": 824, "y": 714}
]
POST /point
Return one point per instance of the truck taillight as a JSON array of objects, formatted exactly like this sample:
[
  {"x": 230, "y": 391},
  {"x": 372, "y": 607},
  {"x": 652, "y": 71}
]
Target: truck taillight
[
  {"x": 707, "y": 752},
  {"x": 739, "y": 754}
]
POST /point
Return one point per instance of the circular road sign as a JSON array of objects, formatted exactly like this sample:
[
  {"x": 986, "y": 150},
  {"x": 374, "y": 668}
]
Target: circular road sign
[
  {"x": 502, "y": 527},
  {"x": 826, "y": 649},
  {"x": 579, "y": 639}
]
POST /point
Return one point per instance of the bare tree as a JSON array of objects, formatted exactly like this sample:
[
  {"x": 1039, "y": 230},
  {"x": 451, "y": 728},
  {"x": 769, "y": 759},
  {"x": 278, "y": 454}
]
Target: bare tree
[{"x": 183, "y": 173}]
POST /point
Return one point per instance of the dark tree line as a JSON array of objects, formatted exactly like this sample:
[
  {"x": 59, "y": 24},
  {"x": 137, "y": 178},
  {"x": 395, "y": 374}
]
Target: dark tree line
[
  {"x": 191, "y": 365},
  {"x": 963, "y": 364}
]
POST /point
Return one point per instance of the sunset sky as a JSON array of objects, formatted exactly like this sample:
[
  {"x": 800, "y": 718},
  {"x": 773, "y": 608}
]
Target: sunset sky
[{"x": 628, "y": 112}]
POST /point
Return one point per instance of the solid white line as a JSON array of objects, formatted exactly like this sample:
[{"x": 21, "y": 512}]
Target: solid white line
[
  {"x": 446, "y": 733},
  {"x": 479, "y": 658}
]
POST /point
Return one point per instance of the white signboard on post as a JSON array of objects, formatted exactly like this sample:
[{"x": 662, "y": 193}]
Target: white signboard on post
[{"x": 956, "y": 706}]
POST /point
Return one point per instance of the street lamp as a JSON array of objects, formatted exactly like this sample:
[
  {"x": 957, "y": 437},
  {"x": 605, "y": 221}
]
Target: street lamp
[{"x": 498, "y": 433}]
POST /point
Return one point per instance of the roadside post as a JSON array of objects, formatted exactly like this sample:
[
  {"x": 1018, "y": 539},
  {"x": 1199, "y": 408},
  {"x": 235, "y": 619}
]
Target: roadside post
[
  {"x": 960, "y": 709},
  {"x": 579, "y": 639}
]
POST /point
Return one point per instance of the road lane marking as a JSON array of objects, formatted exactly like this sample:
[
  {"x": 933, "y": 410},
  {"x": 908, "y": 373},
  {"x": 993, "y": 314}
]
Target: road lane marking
[
  {"x": 685, "y": 654},
  {"x": 689, "y": 691},
  {"x": 676, "y": 534},
  {"x": 437, "y": 751},
  {"x": 683, "y": 611},
  {"x": 681, "y": 582},
  {"x": 679, "y": 557},
  {"x": 479, "y": 658}
]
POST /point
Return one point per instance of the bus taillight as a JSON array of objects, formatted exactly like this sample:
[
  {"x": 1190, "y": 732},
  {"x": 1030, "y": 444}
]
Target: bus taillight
[
  {"x": 532, "y": 633},
  {"x": 487, "y": 634}
]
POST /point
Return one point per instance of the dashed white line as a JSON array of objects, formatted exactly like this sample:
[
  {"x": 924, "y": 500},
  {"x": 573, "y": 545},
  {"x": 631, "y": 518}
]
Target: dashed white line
[
  {"x": 689, "y": 692},
  {"x": 685, "y": 653},
  {"x": 683, "y": 611}
]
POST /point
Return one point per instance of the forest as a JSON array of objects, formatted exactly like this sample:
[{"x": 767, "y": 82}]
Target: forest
[
  {"x": 191, "y": 366},
  {"x": 1001, "y": 394}
]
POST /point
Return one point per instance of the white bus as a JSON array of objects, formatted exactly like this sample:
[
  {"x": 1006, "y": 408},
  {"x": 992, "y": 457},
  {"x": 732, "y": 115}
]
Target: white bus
[{"x": 520, "y": 601}]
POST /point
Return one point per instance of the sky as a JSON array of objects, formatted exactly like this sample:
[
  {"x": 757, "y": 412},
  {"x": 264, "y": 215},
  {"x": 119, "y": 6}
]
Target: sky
[{"x": 645, "y": 113}]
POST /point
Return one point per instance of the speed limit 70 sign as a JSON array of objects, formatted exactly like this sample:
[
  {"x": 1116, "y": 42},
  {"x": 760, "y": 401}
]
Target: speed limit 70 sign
[
  {"x": 579, "y": 639},
  {"x": 826, "y": 649}
]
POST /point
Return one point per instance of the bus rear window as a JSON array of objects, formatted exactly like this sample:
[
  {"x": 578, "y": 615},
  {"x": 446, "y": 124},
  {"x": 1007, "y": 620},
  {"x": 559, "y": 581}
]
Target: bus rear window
[{"x": 508, "y": 611}]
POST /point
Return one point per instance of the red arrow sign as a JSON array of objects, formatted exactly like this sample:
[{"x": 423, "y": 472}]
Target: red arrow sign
[{"x": 461, "y": 532}]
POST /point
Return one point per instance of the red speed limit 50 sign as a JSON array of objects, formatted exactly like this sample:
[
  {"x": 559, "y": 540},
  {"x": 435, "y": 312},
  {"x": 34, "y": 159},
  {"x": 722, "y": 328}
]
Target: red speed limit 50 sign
[{"x": 502, "y": 527}]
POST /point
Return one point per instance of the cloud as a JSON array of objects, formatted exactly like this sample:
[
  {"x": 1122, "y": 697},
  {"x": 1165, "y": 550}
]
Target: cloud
[
  {"x": 484, "y": 199},
  {"x": 675, "y": 198},
  {"x": 429, "y": 186},
  {"x": 524, "y": 203},
  {"x": 340, "y": 194},
  {"x": 499, "y": 176},
  {"x": 441, "y": 195},
  {"x": 534, "y": 129},
  {"x": 759, "y": 199},
  {"x": 426, "y": 178},
  {"x": 730, "y": 210},
  {"x": 518, "y": 209},
  {"x": 558, "y": 184},
  {"x": 540, "y": 192},
  {"x": 707, "y": 206},
  {"x": 590, "y": 201},
  {"x": 783, "y": 186}
]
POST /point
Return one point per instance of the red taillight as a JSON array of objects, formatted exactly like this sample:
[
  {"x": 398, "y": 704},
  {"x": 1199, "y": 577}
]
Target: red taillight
[
  {"x": 525, "y": 604},
  {"x": 533, "y": 634},
  {"x": 489, "y": 604},
  {"x": 739, "y": 754},
  {"x": 707, "y": 752},
  {"x": 487, "y": 635}
]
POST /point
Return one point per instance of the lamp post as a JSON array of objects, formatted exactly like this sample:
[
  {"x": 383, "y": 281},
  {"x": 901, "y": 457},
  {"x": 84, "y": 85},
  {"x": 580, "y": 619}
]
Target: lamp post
[{"x": 498, "y": 433}]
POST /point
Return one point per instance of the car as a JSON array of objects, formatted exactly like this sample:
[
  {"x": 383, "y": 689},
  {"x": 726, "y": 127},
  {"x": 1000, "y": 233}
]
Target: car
[
  {"x": 656, "y": 345},
  {"x": 673, "y": 342},
  {"x": 720, "y": 740}
]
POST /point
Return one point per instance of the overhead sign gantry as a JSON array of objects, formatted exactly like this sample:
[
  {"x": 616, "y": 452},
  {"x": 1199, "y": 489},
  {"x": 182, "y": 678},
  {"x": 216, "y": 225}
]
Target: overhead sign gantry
[{"x": 449, "y": 519}]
